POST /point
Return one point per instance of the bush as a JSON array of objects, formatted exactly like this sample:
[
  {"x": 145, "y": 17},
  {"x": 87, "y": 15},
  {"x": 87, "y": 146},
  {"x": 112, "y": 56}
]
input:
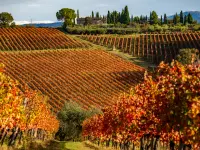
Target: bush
[
  {"x": 71, "y": 118},
  {"x": 188, "y": 56}
]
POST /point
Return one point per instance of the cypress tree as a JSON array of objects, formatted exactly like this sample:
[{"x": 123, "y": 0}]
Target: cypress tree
[
  {"x": 92, "y": 14},
  {"x": 165, "y": 19},
  {"x": 97, "y": 15},
  {"x": 181, "y": 17},
  {"x": 185, "y": 20},
  {"x": 176, "y": 19},
  {"x": 108, "y": 18},
  {"x": 77, "y": 14},
  {"x": 131, "y": 18},
  {"x": 150, "y": 18},
  {"x": 126, "y": 16},
  {"x": 154, "y": 18},
  {"x": 122, "y": 16},
  {"x": 161, "y": 20},
  {"x": 190, "y": 19}
]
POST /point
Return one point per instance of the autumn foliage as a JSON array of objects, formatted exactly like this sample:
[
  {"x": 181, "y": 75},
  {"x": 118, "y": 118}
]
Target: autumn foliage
[
  {"x": 23, "y": 112},
  {"x": 165, "y": 108}
]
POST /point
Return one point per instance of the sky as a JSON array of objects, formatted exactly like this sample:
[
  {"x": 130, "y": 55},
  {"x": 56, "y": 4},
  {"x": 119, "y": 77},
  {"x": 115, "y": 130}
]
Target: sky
[{"x": 45, "y": 10}]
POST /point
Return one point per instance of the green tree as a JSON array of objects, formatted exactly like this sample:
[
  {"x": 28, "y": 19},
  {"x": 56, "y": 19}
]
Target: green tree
[
  {"x": 154, "y": 18},
  {"x": 181, "y": 17},
  {"x": 71, "y": 118},
  {"x": 97, "y": 15},
  {"x": 67, "y": 15},
  {"x": 185, "y": 20},
  {"x": 165, "y": 19},
  {"x": 92, "y": 14},
  {"x": 176, "y": 19},
  {"x": 126, "y": 16},
  {"x": 136, "y": 19},
  {"x": 132, "y": 19},
  {"x": 78, "y": 14},
  {"x": 190, "y": 19},
  {"x": 161, "y": 20},
  {"x": 5, "y": 19},
  {"x": 108, "y": 18}
]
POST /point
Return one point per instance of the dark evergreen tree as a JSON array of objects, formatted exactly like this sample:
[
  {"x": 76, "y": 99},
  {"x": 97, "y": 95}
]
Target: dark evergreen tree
[
  {"x": 126, "y": 16},
  {"x": 131, "y": 18},
  {"x": 108, "y": 18},
  {"x": 150, "y": 18},
  {"x": 190, "y": 19},
  {"x": 185, "y": 20},
  {"x": 181, "y": 17},
  {"x": 92, "y": 14},
  {"x": 161, "y": 20},
  {"x": 78, "y": 14},
  {"x": 146, "y": 19},
  {"x": 97, "y": 15},
  {"x": 176, "y": 19},
  {"x": 165, "y": 19}
]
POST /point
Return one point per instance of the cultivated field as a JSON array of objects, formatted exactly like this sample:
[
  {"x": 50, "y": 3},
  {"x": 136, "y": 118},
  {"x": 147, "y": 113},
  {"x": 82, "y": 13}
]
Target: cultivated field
[
  {"x": 89, "y": 77},
  {"x": 36, "y": 39},
  {"x": 153, "y": 47}
]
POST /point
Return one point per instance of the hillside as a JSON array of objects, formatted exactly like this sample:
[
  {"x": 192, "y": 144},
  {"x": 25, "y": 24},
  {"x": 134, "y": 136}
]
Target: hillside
[
  {"x": 36, "y": 39},
  {"x": 89, "y": 77},
  {"x": 195, "y": 15}
]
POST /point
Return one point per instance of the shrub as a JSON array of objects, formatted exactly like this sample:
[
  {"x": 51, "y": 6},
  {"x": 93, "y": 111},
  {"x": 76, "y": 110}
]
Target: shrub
[
  {"x": 71, "y": 117},
  {"x": 188, "y": 56}
]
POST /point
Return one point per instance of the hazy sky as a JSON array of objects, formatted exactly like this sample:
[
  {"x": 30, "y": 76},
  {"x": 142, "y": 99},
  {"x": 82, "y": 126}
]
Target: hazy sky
[{"x": 38, "y": 10}]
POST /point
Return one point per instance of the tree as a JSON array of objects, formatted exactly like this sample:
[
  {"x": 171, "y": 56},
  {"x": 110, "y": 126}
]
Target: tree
[
  {"x": 154, "y": 17},
  {"x": 67, "y": 15},
  {"x": 176, "y": 19},
  {"x": 108, "y": 18},
  {"x": 132, "y": 19},
  {"x": 78, "y": 14},
  {"x": 190, "y": 19},
  {"x": 165, "y": 19},
  {"x": 126, "y": 16},
  {"x": 181, "y": 17},
  {"x": 5, "y": 19},
  {"x": 71, "y": 118},
  {"x": 97, "y": 15},
  {"x": 185, "y": 20},
  {"x": 136, "y": 19},
  {"x": 161, "y": 20},
  {"x": 92, "y": 14}
]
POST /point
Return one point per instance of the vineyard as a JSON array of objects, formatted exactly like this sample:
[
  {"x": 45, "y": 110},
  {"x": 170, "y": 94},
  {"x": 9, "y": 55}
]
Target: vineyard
[
  {"x": 153, "y": 47},
  {"x": 89, "y": 77},
  {"x": 23, "y": 115},
  {"x": 160, "y": 113},
  {"x": 36, "y": 39}
]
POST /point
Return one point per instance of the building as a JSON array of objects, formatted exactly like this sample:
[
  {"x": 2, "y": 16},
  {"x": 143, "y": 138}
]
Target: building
[{"x": 97, "y": 21}]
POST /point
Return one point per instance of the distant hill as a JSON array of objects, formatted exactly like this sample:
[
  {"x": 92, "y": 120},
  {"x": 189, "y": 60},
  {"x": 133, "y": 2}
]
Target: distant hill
[
  {"x": 52, "y": 25},
  {"x": 195, "y": 15}
]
